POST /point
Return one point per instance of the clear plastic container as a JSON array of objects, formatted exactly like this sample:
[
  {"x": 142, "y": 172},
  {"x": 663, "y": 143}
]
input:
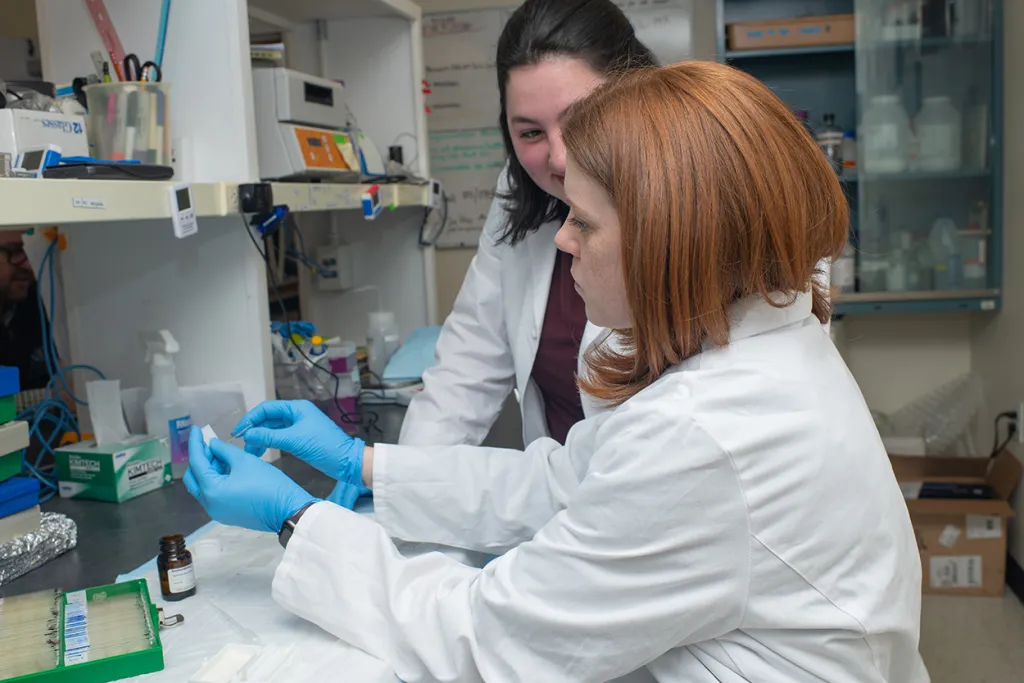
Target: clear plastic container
[
  {"x": 947, "y": 262},
  {"x": 844, "y": 270},
  {"x": 383, "y": 340},
  {"x": 129, "y": 121},
  {"x": 885, "y": 136},
  {"x": 898, "y": 277},
  {"x": 939, "y": 135},
  {"x": 975, "y": 274}
]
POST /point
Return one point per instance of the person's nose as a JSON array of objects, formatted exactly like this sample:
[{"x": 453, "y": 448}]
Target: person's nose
[
  {"x": 556, "y": 154},
  {"x": 566, "y": 241}
]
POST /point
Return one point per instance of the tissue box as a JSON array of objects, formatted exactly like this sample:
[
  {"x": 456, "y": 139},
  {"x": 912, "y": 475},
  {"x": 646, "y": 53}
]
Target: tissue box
[{"x": 115, "y": 472}]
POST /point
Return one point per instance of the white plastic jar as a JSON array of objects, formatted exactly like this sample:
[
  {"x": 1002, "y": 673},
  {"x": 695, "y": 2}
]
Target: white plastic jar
[
  {"x": 939, "y": 133},
  {"x": 885, "y": 136}
]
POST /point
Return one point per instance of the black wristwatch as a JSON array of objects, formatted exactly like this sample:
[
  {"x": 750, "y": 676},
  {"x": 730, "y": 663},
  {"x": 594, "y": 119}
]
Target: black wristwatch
[{"x": 285, "y": 534}]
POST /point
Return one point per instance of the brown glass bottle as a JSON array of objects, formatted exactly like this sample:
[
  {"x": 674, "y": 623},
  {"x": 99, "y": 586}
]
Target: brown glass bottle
[{"x": 177, "y": 573}]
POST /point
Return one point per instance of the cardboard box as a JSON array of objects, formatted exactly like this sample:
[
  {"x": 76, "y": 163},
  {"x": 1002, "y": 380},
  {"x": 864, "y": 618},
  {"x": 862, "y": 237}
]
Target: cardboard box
[
  {"x": 962, "y": 541},
  {"x": 832, "y": 29},
  {"x": 116, "y": 472}
]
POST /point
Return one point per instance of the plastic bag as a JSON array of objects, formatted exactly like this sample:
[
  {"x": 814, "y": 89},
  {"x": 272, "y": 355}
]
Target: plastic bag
[{"x": 945, "y": 418}]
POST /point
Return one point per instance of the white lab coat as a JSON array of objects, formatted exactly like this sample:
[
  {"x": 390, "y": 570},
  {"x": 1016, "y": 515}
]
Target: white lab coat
[
  {"x": 738, "y": 520},
  {"x": 490, "y": 340}
]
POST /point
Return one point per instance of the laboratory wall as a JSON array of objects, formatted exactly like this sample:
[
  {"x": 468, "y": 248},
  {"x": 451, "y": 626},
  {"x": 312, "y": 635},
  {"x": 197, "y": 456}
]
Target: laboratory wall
[
  {"x": 997, "y": 341},
  {"x": 19, "y": 19},
  {"x": 897, "y": 358}
]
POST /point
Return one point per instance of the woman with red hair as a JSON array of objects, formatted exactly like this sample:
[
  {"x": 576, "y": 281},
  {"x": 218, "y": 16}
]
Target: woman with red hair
[{"x": 732, "y": 517}]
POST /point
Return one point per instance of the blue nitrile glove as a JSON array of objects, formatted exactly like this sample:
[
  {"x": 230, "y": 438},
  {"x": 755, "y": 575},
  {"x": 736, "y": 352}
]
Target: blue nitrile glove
[
  {"x": 244, "y": 491},
  {"x": 302, "y": 429},
  {"x": 346, "y": 495}
]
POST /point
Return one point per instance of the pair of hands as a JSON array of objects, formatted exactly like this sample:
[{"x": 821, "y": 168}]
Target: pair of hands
[{"x": 237, "y": 488}]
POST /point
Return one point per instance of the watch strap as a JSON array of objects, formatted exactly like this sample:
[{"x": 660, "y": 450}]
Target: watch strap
[{"x": 288, "y": 528}]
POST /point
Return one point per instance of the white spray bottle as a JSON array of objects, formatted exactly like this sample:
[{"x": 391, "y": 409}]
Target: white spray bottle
[{"x": 166, "y": 412}]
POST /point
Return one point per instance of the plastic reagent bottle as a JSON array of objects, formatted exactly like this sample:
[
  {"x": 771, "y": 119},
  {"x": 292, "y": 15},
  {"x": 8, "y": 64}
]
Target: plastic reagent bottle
[{"x": 166, "y": 412}]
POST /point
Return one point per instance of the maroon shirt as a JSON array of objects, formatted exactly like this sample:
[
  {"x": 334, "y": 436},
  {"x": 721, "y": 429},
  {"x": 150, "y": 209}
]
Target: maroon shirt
[{"x": 554, "y": 368}]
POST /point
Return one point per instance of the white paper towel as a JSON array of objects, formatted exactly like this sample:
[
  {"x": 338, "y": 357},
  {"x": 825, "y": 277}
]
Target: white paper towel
[{"x": 105, "y": 411}]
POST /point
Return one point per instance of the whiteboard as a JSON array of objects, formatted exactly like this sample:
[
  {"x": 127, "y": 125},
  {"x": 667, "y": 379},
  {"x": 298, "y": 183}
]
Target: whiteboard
[{"x": 466, "y": 150}]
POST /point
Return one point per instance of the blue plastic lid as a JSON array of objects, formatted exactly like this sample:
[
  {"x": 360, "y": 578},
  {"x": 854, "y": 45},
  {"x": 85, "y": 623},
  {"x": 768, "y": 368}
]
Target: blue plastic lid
[
  {"x": 17, "y": 487},
  {"x": 9, "y": 384},
  {"x": 850, "y": 134}
]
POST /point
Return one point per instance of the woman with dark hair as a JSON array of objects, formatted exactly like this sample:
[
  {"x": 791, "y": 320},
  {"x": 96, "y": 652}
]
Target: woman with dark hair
[
  {"x": 517, "y": 322},
  {"x": 732, "y": 517}
]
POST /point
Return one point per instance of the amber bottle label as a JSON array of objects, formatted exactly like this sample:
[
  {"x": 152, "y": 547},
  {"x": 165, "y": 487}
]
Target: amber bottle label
[{"x": 181, "y": 580}]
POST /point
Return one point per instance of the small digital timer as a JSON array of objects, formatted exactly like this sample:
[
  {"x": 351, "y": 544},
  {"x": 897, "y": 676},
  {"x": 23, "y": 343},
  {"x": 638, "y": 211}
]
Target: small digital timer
[{"x": 183, "y": 213}]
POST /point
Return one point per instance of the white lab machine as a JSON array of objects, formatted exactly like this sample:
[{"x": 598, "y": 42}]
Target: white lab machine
[
  {"x": 300, "y": 122},
  {"x": 23, "y": 130}
]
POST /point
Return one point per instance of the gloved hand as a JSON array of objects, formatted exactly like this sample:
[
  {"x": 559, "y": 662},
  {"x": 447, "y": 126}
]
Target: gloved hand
[
  {"x": 302, "y": 429},
  {"x": 239, "y": 490}
]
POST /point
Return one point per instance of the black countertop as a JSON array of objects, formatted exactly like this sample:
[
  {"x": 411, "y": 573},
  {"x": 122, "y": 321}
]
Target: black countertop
[{"x": 115, "y": 538}]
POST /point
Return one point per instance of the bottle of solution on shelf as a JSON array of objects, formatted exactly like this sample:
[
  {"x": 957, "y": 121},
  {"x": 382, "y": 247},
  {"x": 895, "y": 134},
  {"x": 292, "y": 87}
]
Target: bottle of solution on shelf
[
  {"x": 872, "y": 273},
  {"x": 383, "y": 340},
  {"x": 165, "y": 410},
  {"x": 939, "y": 135},
  {"x": 975, "y": 274},
  {"x": 844, "y": 270},
  {"x": 974, "y": 241},
  {"x": 885, "y": 136},
  {"x": 830, "y": 139},
  {"x": 947, "y": 262},
  {"x": 849, "y": 153},
  {"x": 902, "y": 274}
]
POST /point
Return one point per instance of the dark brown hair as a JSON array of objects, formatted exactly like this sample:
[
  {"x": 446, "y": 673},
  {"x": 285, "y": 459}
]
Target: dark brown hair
[
  {"x": 595, "y": 31},
  {"x": 721, "y": 194}
]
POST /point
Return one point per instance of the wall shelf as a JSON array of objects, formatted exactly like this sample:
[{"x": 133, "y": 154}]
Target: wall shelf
[
  {"x": 270, "y": 15},
  {"x": 963, "y": 174},
  {"x": 789, "y": 52},
  {"x": 337, "y": 196},
  {"x": 30, "y": 201},
  {"x": 917, "y": 302},
  {"x": 939, "y": 43}
]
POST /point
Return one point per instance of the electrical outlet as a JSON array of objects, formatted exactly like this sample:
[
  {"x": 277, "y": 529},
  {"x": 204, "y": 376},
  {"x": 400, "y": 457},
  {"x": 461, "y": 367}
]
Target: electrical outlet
[{"x": 1020, "y": 422}]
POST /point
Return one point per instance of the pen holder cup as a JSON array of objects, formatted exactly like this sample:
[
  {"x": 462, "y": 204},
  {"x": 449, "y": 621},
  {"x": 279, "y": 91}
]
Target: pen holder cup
[{"x": 129, "y": 121}]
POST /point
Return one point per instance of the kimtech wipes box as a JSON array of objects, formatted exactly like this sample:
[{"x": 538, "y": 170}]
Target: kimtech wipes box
[{"x": 116, "y": 472}]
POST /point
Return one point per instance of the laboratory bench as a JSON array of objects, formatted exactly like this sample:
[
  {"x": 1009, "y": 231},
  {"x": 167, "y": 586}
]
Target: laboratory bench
[{"x": 114, "y": 539}]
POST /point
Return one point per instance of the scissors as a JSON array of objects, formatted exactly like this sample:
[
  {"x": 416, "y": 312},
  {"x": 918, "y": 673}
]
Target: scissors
[{"x": 136, "y": 71}]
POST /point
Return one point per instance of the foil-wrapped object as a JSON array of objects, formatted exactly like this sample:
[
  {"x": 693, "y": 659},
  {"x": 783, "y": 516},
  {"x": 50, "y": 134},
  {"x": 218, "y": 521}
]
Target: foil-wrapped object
[{"x": 57, "y": 534}]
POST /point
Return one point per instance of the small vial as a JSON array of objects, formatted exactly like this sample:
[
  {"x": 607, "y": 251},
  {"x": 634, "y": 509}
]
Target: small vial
[{"x": 177, "y": 573}]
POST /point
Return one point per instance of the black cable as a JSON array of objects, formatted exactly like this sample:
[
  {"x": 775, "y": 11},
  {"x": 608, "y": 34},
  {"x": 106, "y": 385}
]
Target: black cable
[
  {"x": 997, "y": 447},
  {"x": 345, "y": 416},
  {"x": 426, "y": 217}
]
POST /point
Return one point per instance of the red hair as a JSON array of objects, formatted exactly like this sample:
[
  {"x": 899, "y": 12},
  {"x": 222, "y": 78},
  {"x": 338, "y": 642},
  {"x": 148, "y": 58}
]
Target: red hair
[{"x": 721, "y": 194}]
